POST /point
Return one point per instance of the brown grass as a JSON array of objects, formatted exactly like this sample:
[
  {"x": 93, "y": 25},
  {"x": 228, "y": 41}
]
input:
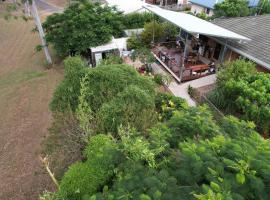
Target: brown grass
[
  {"x": 60, "y": 3},
  {"x": 26, "y": 88}
]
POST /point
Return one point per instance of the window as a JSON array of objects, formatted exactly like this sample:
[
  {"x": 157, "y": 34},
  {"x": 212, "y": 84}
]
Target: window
[{"x": 207, "y": 11}]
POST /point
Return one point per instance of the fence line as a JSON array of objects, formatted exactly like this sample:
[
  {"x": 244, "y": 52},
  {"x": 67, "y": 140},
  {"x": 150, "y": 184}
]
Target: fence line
[{"x": 218, "y": 114}]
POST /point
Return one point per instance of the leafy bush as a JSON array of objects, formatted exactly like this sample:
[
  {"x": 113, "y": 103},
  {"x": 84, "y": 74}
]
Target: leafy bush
[
  {"x": 147, "y": 34},
  {"x": 136, "y": 20},
  {"x": 235, "y": 127},
  {"x": 231, "y": 8},
  {"x": 103, "y": 83},
  {"x": 245, "y": 93},
  {"x": 194, "y": 123},
  {"x": 235, "y": 70},
  {"x": 167, "y": 103},
  {"x": 82, "y": 180},
  {"x": 145, "y": 56},
  {"x": 66, "y": 94},
  {"x": 112, "y": 60},
  {"x": 239, "y": 165},
  {"x": 162, "y": 32},
  {"x": 134, "y": 43},
  {"x": 133, "y": 107},
  {"x": 140, "y": 182},
  {"x": 158, "y": 79},
  {"x": 82, "y": 25}
]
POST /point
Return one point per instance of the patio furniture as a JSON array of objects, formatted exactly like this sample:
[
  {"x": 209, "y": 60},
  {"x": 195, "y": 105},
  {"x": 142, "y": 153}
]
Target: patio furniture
[{"x": 198, "y": 69}]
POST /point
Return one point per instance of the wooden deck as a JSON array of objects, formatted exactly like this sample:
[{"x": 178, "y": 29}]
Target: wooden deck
[{"x": 171, "y": 59}]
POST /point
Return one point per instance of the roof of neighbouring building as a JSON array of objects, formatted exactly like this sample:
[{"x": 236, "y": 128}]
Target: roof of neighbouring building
[
  {"x": 211, "y": 3},
  {"x": 127, "y": 6},
  {"x": 257, "y": 28}
]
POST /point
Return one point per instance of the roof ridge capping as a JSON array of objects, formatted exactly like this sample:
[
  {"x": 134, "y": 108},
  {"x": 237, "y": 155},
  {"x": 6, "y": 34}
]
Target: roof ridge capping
[
  {"x": 195, "y": 25},
  {"x": 242, "y": 17}
]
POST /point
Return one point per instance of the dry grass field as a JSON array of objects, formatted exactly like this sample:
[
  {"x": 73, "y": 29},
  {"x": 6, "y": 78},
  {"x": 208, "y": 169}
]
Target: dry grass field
[
  {"x": 26, "y": 87},
  {"x": 60, "y": 3}
]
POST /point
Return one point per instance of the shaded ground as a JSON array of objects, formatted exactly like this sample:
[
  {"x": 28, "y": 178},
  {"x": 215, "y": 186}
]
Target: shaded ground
[{"x": 26, "y": 88}]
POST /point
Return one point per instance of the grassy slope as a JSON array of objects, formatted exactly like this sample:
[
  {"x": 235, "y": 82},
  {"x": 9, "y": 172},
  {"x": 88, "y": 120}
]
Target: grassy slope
[{"x": 26, "y": 88}]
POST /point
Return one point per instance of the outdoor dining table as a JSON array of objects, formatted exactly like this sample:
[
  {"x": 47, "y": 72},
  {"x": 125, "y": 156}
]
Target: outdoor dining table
[{"x": 198, "y": 68}]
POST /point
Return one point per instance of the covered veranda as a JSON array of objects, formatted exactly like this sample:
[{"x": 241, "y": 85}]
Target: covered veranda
[{"x": 195, "y": 53}]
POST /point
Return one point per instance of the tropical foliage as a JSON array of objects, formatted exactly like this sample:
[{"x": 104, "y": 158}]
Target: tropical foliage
[
  {"x": 144, "y": 145},
  {"x": 66, "y": 95},
  {"x": 136, "y": 20},
  {"x": 231, "y": 8},
  {"x": 245, "y": 93},
  {"x": 81, "y": 26}
]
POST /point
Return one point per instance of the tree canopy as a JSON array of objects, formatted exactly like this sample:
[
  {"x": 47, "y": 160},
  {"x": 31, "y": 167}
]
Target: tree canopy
[
  {"x": 231, "y": 8},
  {"x": 81, "y": 26},
  {"x": 184, "y": 153},
  {"x": 244, "y": 92},
  {"x": 263, "y": 7}
]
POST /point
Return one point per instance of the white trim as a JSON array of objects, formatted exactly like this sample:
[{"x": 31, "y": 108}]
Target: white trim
[
  {"x": 195, "y": 25},
  {"x": 167, "y": 68}
]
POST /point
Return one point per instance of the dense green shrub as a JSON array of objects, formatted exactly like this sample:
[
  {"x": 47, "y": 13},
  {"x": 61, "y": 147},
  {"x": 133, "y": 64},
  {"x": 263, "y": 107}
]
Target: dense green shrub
[
  {"x": 82, "y": 180},
  {"x": 81, "y": 26},
  {"x": 162, "y": 32},
  {"x": 147, "y": 34},
  {"x": 111, "y": 60},
  {"x": 250, "y": 97},
  {"x": 134, "y": 42},
  {"x": 235, "y": 127},
  {"x": 194, "y": 123},
  {"x": 231, "y": 8},
  {"x": 245, "y": 93},
  {"x": 239, "y": 165},
  {"x": 133, "y": 107},
  {"x": 136, "y": 20},
  {"x": 66, "y": 94},
  {"x": 140, "y": 182},
  {"x": 167, "y": 103},
  {"x": 103, "y": 83},
  {"x": 235, "y": 70},
  {"x": 158, "y": 79}
]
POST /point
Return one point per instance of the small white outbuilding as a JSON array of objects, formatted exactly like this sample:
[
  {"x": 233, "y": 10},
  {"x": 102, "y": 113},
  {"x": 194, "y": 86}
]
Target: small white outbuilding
[{"x": 116, "y": 46}]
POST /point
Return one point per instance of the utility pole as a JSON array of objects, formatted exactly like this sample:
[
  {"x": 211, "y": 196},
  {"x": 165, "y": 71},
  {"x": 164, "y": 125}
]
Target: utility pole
[
  {"x": 27, "y": 8},
  {"x": 41, "y": 32}
]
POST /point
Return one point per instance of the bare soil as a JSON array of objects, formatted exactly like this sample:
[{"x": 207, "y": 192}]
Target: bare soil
[
  {"x": 26, "y": 88},
  {"x": 60, "y": 3}
]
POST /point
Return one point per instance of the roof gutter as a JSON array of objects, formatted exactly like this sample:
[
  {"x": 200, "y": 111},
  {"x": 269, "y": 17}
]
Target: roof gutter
[
  {"x": 263, "y": 64},
  {"x": 201, "y": 5}
]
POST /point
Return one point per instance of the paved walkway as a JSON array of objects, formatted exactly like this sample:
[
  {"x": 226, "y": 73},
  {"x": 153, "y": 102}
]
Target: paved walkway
[{"x": 181, "y": 90}]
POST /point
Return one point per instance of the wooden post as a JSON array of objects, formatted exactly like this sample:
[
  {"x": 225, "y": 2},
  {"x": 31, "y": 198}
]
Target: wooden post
[
  {"x": 182, "y": 67},
  {"x": 223, "y": 52}
]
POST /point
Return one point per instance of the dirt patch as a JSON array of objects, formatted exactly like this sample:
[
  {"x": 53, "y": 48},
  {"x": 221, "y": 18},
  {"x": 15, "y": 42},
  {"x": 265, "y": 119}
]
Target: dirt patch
[
  {"x": 26, "y": 88},
  {"x": 60, "y": 3}
]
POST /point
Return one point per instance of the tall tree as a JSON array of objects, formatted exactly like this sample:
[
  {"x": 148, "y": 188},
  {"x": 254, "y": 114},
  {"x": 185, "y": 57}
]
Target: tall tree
[
  {"x": 263, "y": 7},
  {"x": 232, "y": 8},
  {"x": 81, "y": 26}
]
